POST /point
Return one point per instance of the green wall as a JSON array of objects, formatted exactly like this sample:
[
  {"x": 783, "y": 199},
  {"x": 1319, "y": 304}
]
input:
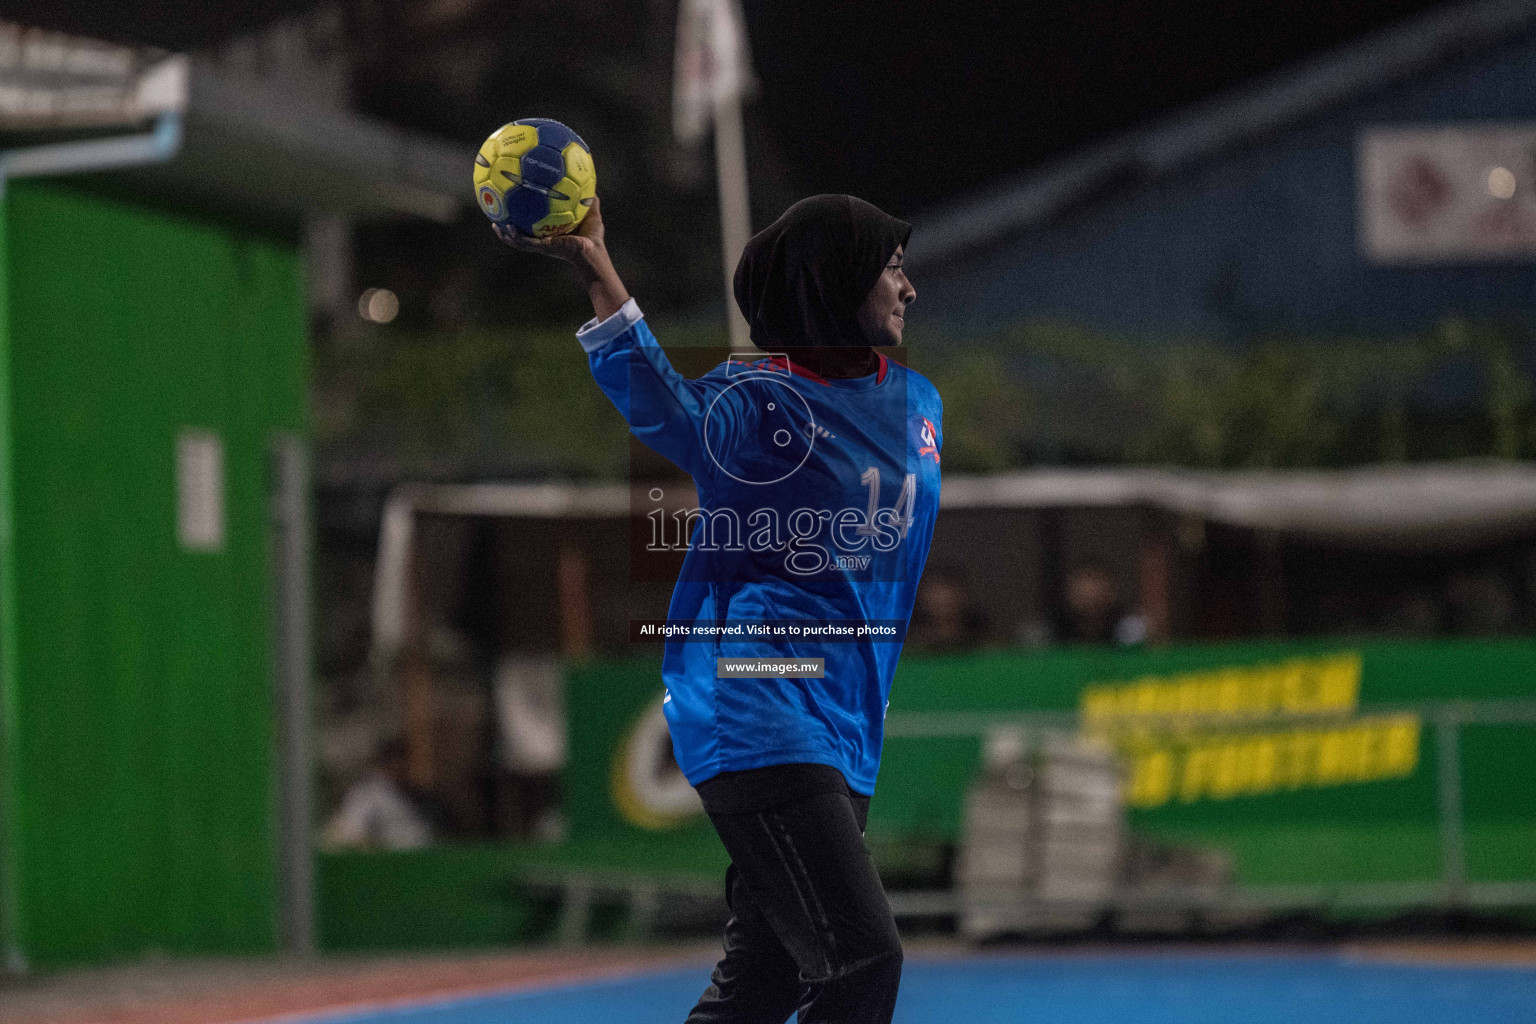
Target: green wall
[{"x": 137, "y": 678}]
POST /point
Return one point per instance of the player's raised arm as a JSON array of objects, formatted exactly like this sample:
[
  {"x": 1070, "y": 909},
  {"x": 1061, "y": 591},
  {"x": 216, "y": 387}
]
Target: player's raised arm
[{"x": 667, "y": 412}]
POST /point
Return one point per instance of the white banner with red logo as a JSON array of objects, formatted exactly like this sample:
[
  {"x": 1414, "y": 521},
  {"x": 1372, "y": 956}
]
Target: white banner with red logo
[{"x": 1447, "y": 194}]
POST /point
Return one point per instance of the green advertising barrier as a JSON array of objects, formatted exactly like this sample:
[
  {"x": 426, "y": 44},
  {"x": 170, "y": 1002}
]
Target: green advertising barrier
[{"x": 1307, "y": 762}]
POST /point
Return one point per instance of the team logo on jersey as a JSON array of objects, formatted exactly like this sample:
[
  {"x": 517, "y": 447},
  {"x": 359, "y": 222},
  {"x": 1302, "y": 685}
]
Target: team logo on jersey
[{"x": 929, "y": 438}]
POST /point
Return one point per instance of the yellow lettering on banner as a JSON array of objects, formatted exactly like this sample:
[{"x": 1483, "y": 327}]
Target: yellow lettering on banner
[
  {"x": 1282, "y": 686},
  {"x": 1225, "y": 766},
  {"x": 1296, "y": 759},
  {"x": 1362, "y": 761},
  {"x": 1287, "y": 684},
  {"x": 1229, "y": 693},
  {"x": 1272, "y": 690},
  {"x": 1145, "y": 701},
  {"x": 1399, "y": 746},
  {"x": 1339, "y": 683},
  {"x": 1186, "y": 700},
  {"x": 1124, "y": 701},
  {"x": 1199, "y": 763},
  {"x": 1297, "y": 686},
  {"x": 1209, "y": 700},
  {"x": 1167, "y": 728},
  {"x": 1227, "y": 780},
  {"x": 1151, "y": 778},
  {"x": 1373, "y": 762},
  {"x": 1333, "y": 757},
  {"x": 1264, "y": 761},
  {"x": 1098, "y": 707}
]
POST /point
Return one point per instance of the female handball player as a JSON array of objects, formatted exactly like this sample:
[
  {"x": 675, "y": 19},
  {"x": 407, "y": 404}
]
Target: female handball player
[{"x": 817, "y": 470}]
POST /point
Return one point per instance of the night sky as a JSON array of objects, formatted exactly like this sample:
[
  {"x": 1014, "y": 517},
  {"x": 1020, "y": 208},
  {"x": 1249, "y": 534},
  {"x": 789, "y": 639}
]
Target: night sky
[
  {"x": 907, "y": 104},
  {"x": 910, "y": 104}
]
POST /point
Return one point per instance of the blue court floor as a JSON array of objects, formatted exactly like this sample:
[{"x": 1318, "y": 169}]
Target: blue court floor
[{"x": 1062, "y": 989}]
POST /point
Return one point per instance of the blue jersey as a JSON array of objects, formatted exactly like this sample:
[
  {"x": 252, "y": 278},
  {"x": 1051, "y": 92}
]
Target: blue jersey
[{"x": 817, "y": 502}]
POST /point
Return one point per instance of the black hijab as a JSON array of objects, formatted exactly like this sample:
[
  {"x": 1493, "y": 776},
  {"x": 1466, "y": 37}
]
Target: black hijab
[{"x": 802, "y": 279}]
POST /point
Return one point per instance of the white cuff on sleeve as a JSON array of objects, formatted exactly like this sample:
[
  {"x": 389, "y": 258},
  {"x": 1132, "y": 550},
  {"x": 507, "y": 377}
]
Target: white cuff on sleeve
[{"x": 594, "y": 335}]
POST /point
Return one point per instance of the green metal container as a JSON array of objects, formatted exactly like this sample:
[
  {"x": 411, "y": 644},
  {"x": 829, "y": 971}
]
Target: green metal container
[{"x": 146, "y": 363}]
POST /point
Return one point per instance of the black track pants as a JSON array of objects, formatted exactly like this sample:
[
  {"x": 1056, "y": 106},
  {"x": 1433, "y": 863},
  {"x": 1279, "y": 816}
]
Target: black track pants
[{"x": 810, "y": 927}]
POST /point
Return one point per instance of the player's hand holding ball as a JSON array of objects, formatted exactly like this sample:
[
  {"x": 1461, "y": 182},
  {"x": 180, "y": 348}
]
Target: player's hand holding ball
[{"x": 580, "y": 247}]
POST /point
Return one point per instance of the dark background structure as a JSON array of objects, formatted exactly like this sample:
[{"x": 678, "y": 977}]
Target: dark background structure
[{"x": 907, "y": 105}]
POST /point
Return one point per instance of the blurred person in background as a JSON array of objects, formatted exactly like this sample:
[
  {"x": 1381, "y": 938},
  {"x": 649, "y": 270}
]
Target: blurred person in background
[
  {"x": 381, "y": 811},
  {"x": 1092, "y": 612},
  {"x": 1416, "y": 613},
  {"x": 1480, "y": 604},
  {"x": 785, "y": 765},
  {"x": 946, "y": 619},
  {"x": 1095, "y": 611},
  {"x": 531, "y": 744}
]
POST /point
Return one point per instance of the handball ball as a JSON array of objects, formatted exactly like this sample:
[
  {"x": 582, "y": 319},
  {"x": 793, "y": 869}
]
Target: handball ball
[{"x": 537, "y": 175}]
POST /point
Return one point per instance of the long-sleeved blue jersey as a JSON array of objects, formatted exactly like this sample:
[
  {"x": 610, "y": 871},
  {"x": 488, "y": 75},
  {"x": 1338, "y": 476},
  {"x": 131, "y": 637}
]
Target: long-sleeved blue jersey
[{"x": 818, "y": 499}]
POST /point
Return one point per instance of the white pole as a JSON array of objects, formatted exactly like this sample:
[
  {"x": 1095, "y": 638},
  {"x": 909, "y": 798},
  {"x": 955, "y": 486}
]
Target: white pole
[
  {"x": 292, "y": 645},
  {"x": 735, "y": 220}
]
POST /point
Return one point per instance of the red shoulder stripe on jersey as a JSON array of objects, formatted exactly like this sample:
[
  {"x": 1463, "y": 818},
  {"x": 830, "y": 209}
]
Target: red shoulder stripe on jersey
[{"x": 783, "y": 363}]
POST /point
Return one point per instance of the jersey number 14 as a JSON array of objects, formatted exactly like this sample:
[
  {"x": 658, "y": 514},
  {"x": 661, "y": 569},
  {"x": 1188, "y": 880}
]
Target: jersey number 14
[{"x": 899, "y": 516}]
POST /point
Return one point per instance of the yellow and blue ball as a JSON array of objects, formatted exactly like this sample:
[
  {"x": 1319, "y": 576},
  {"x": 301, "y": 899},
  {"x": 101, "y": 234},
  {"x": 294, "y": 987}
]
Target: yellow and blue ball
[{"x": 537, "y": 175}]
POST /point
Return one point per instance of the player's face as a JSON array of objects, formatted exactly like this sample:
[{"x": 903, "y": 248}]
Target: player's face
[{"x": 884, "y": 312}]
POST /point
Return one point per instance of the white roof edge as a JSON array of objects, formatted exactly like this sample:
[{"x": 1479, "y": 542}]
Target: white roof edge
[
  {"x": 239, "y": 142},
  {"x": 1403, "y": 494}
]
